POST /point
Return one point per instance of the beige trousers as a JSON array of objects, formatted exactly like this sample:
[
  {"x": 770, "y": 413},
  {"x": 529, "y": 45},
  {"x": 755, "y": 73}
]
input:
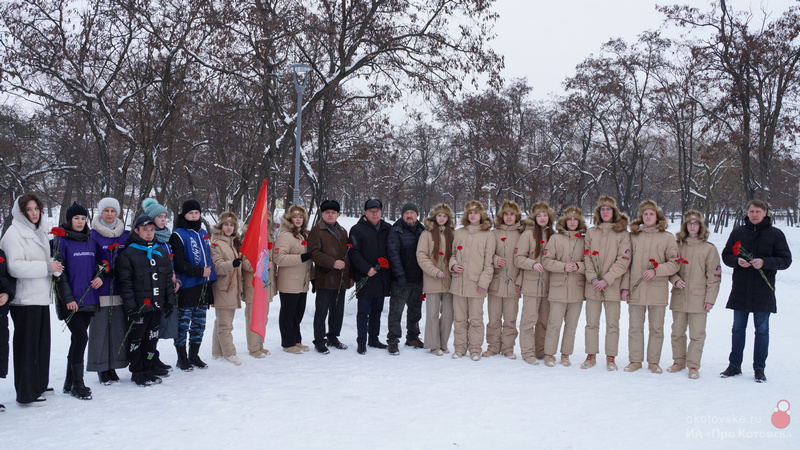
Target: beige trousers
[
  {"x": 222, "y": 339},
  {"x": 501, "y": 331},
  {"x": 697, "y": 337},
  {"x": 438, "y": 320},
  {"x": 592, "y": 336},
  {"x": 530, "y": 325},
  {"x": 568, "y": 314},
  {"x": 655, "y": 340},
  {"x": 468, "y": 324},
  {"x": 254, "y": 341},
  {"x": 541, "y": 326}
]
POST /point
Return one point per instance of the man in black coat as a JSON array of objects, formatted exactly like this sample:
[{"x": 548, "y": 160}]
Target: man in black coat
[
  {"x": 406, "y": 278},
  {"x": 144, "y": 278},
  {"x": 750, "y": 247},
  {"x": 368, "y": 238}
]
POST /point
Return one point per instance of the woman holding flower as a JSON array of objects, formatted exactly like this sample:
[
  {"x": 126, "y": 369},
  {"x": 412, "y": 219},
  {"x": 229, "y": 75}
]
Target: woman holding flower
[
  {"x": 535, "y": 281},
  {"x": 564, "y": 254},
  {"x": 28, "y": 260},
  {"x": 646, "y": 285},
  {"x": 294, "y": 262},
  {"x": 504, "y": 290},
  {"x": 695, "y": 292},
  {"x": 192, "y": 260},
  {"x": 76, "y": 293},
  {"x": 434, "y": 249},
  {"x": 609, "y": 247},
  {"x": 226, "y": 246},
  {"x": 107, "y": 330},
  {"x": 471, "y": 266}
]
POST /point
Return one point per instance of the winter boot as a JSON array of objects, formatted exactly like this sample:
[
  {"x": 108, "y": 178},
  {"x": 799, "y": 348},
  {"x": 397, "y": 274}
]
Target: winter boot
[
  {"x": 760, "y": 376},
  {"x": 675, "y": 367},
  {"x": 194, "y": 356},
  {"x": 68, "y": 379},
  {"x": 362, "y": 349},
  {"x": 336, "y": 343},
  {"x": 549, "y": 360},
  {"x": 611, "y": 365},
  {"x": 590, "y": 361},
  {"x": 416, "y": 343},
  {"x": 565, "y": 360},
  {"x": 79, "y": 390},
  {"x": 104, "y": 378},
  {"x": 393, "y": 350},
  {"x": 112, "y": 375},
  {"x": 694, "y": 373},
  {"x": 489, "y": 353},
  {"x": 731, "y": 372},
  {"x": 140, "y": 379},
  {"x": 633, "y": 367},
  {"x": 159, "y": 371},
  {"x": 154, "y": 379},
  {"x": 654, "y": 367},
  {"x": 377, "y": 344},
  {"x": 157, "y": 363},
  {"x": 321, "y": 347},
  {"x": 510, "y": 355},
  {"x": 183, "y": 362}
]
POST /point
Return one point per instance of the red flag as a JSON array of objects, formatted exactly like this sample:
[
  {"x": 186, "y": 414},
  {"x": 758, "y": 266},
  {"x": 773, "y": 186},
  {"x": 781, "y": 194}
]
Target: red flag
[{"x": 255, "y": 249}]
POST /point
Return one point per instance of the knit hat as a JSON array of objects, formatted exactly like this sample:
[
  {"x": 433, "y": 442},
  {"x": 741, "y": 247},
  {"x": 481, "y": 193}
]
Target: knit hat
[
  {"x": 109, "y": 202},
  {"x": 152, "y": 208},
  {"x": 329, "y": 205},
  {"x": 190, "y": 205},
  {"x": 373, "y": 203},
  {"x": 410, "y": 206},
  {"x": 75, "y": 210},
  {"x": 144, "y": 219},
  {"x": 507, "y": 206}
]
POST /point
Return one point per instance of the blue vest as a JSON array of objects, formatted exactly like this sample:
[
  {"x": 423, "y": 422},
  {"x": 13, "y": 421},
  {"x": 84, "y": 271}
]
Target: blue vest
[{"x": 197, "y": 251}]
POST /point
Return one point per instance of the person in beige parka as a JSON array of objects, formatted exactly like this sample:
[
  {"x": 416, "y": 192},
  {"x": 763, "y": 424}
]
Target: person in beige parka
[
  {"x": 535, "y": 281},
  {"x": 471, "y": 266},
  {"x": 564, "y": 260},
  {"x": 695, "y": 290},
  {"x": 294, "y": 274},
  {"x": 609, "y": 246},
  {"x": 434, "y": 249},
  {"x": 646, "y": 285},
  {"x": 226, "y": 245},
  {"x": 504, "y": 291}
]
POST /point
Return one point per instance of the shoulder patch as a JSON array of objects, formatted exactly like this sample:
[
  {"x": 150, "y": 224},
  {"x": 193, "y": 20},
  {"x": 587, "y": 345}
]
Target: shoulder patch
[
  {"x": 544, "y": 252},
  {"x": 625, "y": 258},
  {"x": 277, "y": 250},
  {"x": 627, "y": 250}
]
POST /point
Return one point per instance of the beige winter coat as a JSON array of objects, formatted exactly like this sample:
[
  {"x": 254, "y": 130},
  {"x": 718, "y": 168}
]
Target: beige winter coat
[
  {"x": 561, "y": 248},
  {"x": 533, "y": 283},
  {"x": 613, "y": 244},
  {"x": 425, "y": 259},
  {"x": 477, "y": 248},
  {"x": 702, "y": 276},
  {"x": 230, "y": 283},
  {"x": 293, "y": 274},
  {"x": 651, "y": 243},
  {"x": 504, "y": 280}
]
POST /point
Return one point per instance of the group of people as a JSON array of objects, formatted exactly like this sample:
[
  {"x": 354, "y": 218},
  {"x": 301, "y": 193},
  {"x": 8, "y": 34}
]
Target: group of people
[{"x": 119, "y": 291}]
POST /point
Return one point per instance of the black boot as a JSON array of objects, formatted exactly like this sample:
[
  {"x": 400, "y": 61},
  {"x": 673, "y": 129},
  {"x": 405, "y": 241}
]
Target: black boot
[
  {"x": 104, "y": 378},
  {"x": 68, "y": 379},
  {"x": 183, "y": 362},
  {"x": 112, "y": 375},
  {"x": 79, "y": 390},
  {"x": 194, "y": 357},
  {"x": 158, "y": 364}
]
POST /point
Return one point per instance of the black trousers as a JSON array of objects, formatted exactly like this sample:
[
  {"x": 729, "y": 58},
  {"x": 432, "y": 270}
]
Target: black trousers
[
  {"x": 142, "y": 341},
  {"x": 328, "y": 305},
  {"x": 293, "y": 306},
  {"x": 78, "y": 326},
  {"x": 368, "y": 318},
  {"x": 31, "y": 351}
]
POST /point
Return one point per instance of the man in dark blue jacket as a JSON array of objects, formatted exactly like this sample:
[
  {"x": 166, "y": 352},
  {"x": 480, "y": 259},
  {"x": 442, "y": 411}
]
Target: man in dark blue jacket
[
  {"x": 406, "y": 278},
  {"x": 368, "y": 237},
  {"x": 756, "y": 251}
]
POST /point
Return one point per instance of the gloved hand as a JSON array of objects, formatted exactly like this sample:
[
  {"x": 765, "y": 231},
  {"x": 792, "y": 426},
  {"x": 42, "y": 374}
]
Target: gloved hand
[
  {"x": 313, "y": 286},
  {"x": 237, "y": 262},
  {"x": 168, "y": 309},
  {"x": 305, "y": 256}
]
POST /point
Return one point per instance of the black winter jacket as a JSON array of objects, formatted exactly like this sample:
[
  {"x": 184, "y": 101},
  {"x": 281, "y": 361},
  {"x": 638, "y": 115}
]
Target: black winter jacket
[
  {"x": 369, "y": 244},
  {"x": 401, "y": 245},
  {"x": 138, "y": 280},
  {"x": 750, "y": 292},
  {"x": 8, "y": 286}
]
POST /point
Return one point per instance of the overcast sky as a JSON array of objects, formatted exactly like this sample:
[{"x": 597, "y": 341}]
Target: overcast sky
[{"x": 545, "y": 40}]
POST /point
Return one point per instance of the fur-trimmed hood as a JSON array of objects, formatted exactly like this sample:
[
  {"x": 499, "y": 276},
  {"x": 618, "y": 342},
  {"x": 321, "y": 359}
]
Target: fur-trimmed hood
[
  {"x": 620, "y": 220},
  {"x": 475, "y": 205},
  {"x": 430, "y": 221},
  {"x": 572, "y": 212},
  {"x": 286, "y": 218},
  {"x": 688, "y": 217},
  {"x": 661, "y": 221},
  {"x": 226, "y": 217},
  {"x": 507, "y": 206},
  {"x": 536, "y": 209}
]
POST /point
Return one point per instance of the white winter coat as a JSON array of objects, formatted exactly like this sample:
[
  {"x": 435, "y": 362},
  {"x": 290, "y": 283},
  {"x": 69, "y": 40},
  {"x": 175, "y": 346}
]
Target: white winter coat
[{"x": 28, "y": 258}]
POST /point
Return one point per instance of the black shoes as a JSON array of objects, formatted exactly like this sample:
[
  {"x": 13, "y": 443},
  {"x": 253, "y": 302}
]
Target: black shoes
[
  {"x": 362, "y": 349},
  {"x": 416, "y": 343},
  {"x": 321, "y": 348},
  {"x": 335, "y": 343},
  {"x": 732, "y": 372},
  {"x": 159, "y": 371},
  {"x": 393, "y": 350},
  {"x": 377, "y": 344},
  {"x": 104, "y": 378},
  {"x": 760, "y": 377},
  {"x": 112, "y": 375}
]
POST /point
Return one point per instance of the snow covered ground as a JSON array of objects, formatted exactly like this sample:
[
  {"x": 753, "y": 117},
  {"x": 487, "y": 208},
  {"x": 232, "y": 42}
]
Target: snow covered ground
[{"x": 421, "y": 401}]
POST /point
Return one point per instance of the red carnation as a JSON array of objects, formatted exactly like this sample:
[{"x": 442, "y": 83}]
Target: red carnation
[
  {"x": 459, "y": 248},
  {"x": 171, "y": 255},
  {"x": 577, "y": 235},
  {"x": 147, "y": 302},
  {"x": 441, "y": 253},
  {"x": 383, "y": 262},
  {"x": 215, "y": 244},
  {"x": 206, "y": 237},
  {"x": 541, "y": 242},
  {"x": 304, "y": 243},
  {"x": 502, "y": 239},
  {"x": 270, "y": 245},
  {"x": 107, "y": 267},
  {"x": 586, "y": 252},
  {"x": 58, "y": 232},
  {"x": 595, "y": 253},
  {"x": 2, "y": 260},
  {"x": 349, "y": 245},
  {"x": 422, "y": 298},
  {"x": 736, "y": 247}
]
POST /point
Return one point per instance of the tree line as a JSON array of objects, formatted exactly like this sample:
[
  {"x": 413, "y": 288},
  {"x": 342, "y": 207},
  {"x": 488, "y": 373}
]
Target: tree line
[{"x": 184, "y": 98}]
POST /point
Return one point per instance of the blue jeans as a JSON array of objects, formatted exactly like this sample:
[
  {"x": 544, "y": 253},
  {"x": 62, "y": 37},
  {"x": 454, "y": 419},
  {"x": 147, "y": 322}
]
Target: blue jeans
[{"x": 761, "y": 346}]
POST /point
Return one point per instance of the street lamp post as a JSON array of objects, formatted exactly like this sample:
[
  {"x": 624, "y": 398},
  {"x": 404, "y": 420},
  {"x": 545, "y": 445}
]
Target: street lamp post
[{"x": 300, "y": 75}]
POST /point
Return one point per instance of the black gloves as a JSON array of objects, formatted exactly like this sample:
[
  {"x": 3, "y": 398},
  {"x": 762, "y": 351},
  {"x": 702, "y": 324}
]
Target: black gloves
[
  {"x": 237, "y": 262},
  {"x": 313, "y": 286},
  {"x": 305, "y": 256}
]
